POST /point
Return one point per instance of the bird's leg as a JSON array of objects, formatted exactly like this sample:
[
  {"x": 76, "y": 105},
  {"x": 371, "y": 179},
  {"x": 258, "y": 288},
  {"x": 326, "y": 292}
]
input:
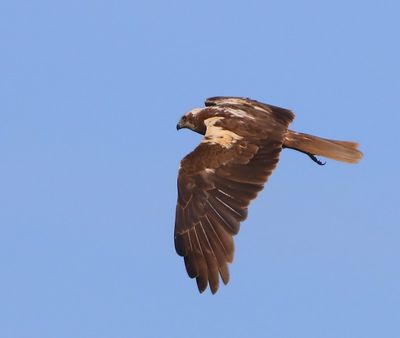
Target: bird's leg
[
  {"x": 312, "y": 156},
  {"x": 315, "y": 159}
]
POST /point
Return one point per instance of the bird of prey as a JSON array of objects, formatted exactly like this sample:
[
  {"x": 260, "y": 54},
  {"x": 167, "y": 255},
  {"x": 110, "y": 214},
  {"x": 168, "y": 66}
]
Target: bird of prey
[{"x": 242, "y": 142}]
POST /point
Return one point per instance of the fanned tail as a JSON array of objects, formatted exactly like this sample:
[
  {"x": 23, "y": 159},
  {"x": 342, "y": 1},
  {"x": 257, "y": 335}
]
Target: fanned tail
[{"x": 343, "y": 151}]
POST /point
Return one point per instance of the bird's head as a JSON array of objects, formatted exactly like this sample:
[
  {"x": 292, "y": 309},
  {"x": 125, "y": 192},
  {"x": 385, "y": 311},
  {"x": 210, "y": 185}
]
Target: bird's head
[{"x": 194, "y": 120}]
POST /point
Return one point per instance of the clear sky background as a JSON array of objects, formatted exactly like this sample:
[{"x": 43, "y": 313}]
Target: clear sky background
[{"x": 90, "y": 94}]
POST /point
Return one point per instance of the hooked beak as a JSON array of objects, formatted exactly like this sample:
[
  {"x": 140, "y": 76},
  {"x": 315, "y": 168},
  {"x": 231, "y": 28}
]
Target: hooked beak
[{"x": 178, "y": 126}]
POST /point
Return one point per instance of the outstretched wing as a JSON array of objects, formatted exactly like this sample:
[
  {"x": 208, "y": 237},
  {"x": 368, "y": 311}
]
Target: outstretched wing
[{"x": 218, "y": 180}]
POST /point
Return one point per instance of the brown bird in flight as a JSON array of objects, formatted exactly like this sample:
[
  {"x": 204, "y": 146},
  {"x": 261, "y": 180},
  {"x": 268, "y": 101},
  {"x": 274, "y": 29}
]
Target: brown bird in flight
[{"x": 242, "y": 142}]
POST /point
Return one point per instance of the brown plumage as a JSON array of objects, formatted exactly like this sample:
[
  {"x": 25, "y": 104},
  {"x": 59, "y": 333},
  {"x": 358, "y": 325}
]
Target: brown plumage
[{"x": 242, "y": 142}]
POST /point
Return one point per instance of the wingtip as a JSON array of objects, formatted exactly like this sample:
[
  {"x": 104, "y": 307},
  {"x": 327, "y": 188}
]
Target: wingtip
[
  {"x": 201, "y": 286},
  {"x": 214, "y": 291}
]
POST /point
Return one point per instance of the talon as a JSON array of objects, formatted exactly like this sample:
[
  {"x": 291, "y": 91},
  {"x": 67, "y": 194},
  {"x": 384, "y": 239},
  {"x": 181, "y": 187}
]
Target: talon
[{"x": 315, "y": 159}]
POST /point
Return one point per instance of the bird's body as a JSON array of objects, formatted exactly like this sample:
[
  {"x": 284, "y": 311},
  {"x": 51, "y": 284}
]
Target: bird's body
[{"x": 242, "y": 142}]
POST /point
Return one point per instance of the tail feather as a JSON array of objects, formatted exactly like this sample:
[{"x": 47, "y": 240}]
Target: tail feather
[{"x": 343, "y": 151}]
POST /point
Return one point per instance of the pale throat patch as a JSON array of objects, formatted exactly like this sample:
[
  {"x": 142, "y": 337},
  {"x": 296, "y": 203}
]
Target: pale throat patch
[{"x": 218, "y": 135}]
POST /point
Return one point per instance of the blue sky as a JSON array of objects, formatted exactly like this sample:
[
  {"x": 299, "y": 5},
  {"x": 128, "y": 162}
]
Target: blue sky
[{"x": 90, "y": 93}]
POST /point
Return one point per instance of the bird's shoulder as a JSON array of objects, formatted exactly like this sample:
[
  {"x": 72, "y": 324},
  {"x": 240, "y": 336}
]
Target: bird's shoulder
[{"x": 251, "y": 109}]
